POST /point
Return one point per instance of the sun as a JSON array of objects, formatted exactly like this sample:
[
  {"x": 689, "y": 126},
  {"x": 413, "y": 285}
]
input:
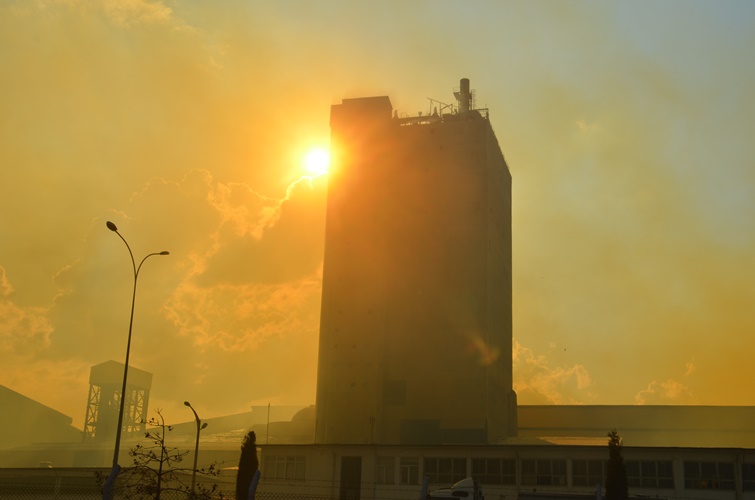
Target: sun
[{"x": 316, "y": 161}]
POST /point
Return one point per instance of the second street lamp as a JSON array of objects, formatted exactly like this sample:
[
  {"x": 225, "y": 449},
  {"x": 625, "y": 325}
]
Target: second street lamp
[
  {"x": 200, "y": 426},
  {"x": 108, "y": 490}
]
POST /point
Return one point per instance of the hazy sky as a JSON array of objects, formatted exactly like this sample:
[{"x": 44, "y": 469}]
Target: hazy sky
[{"x": 628, "y": 129}]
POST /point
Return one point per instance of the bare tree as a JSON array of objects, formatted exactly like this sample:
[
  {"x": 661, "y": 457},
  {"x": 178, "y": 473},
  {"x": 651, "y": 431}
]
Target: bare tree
[{"x": 155, "y": 468}]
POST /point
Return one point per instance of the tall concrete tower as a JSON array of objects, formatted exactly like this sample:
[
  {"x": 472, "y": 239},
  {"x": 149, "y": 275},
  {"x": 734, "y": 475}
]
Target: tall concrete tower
[{"x": 415, "y": 329}]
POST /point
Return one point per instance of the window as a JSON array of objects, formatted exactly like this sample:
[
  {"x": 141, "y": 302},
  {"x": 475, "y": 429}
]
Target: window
[
  {"x": 494, "y": 470},
  {"x": 748, "y": 477},
  {"x": 279, "y": 467},
  {"x": 544, "y": 472},
  {"x": 650, "y": 474},
  {"x": 709, "y": 475},
  {"x": 588, "y": 472},
  {"x": 384, "y": 473},
  {"x": 409, "y": 467},
  {"x": 445, "y": 470}
]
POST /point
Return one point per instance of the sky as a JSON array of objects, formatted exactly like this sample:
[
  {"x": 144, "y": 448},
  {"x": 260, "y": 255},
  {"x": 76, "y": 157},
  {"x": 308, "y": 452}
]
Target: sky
[{"x": 627, "y": 127}]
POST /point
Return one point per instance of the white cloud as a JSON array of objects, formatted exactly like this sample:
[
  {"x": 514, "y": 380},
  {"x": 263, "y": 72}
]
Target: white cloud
[
  {"x": 128, "y": 12},
  {"x": 668, "y": 392},
  {"x": 537, "y": 382}
]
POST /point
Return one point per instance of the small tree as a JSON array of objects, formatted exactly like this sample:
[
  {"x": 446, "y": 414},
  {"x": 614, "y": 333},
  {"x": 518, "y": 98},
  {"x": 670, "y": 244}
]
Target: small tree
[
  {"x": 248, "y": 465},
  {"x": 616, "y": 475},
  {"x": 154, "y": 468}
]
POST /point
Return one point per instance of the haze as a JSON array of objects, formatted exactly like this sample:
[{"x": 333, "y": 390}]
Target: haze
[{"x": 627, "y": 128}]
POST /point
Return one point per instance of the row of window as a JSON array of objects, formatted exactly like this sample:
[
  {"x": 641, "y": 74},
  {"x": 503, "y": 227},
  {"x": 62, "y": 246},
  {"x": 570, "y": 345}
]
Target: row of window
[
  {"x": 640, "y": 474},
  {"x": 288, "y": 467},
  {"x": 656, "y": 474}
]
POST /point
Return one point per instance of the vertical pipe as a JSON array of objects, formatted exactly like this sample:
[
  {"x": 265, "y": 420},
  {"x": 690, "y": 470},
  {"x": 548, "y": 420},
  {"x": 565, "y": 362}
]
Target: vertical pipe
[{"x": 464, "y": 95}]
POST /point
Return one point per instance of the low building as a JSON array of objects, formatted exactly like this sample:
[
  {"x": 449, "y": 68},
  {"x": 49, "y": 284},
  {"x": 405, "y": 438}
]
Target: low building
[
  {"x": 522, "y": 467},
  {"x": 24, "y": 421}
]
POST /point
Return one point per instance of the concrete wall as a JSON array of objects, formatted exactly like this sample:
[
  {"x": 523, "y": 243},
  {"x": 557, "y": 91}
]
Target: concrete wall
[{"x": 640, "y": 425}]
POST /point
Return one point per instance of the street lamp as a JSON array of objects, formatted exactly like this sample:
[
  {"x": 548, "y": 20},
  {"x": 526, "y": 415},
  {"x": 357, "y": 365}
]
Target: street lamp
[
  {"x": 107, "y": 492},
  {"x": 200, "y": 426}
]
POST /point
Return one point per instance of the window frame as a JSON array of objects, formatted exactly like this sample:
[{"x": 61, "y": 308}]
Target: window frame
[
  {"x": 650, "y": 474},
  {"x": 285, "y": 467},
  {"x": 385, "y": 470},
  {"x": 707, "y": 475},
  {"x": 444, "y": 470},
  {"x": 544, "y": 472},
  {"x": 590, "y": 477},
  {"x": 408, "y": 470},
  {"x": 506, "y": 474}
]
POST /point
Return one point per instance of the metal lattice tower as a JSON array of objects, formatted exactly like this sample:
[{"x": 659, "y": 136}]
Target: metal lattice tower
[{"x": 105, "y": 382}]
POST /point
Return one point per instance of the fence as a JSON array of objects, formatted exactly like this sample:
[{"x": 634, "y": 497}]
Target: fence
[
  {"x": 21, "y": 491},
  {"x": 82, "y": 484},
  {"x": 82, "y": 488}
]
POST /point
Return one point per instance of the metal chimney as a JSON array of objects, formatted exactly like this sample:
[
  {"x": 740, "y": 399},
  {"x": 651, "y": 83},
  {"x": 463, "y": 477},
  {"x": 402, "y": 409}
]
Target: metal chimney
[{"x": 464, "y": 95}]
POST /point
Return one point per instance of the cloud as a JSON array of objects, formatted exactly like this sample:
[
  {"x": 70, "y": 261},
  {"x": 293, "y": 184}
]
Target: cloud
[
  {"x": 537, "y": 382},
  {"x": 25, "y": 331},
  {"x": 122, "y": 13},
  {"x": 128, "y": 12},
  {"x": 232, "y": 306},
  {"x": 669, "y": 392},
  {"x": 228, "y": 289},
  {"x": 663, "y": 393},
  {"x": 240, "y": 317},
  {"x": 5, "y": 287}
]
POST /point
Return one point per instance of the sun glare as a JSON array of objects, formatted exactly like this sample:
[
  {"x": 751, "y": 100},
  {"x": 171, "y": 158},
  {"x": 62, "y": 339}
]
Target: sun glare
[{"x": 316, "y": 161}]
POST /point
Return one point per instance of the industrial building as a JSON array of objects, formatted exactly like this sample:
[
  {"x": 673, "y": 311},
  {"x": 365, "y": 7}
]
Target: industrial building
[
  {"x": 105, "y": 385},
  {"x": 415, "y": 328}
]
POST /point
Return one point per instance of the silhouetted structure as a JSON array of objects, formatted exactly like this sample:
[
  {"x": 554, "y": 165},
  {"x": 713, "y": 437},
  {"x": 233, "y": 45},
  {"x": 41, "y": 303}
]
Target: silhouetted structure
[
  {"x": 24, "y": 421},
  {"x": 415, "y": 330},
  {"x": 105, "y": 384}
]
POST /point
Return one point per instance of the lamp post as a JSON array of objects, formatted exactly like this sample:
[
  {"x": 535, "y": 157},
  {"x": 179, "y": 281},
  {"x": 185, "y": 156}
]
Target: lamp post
[
  {"x": 200, "y": 426},
  {"x": 107, "y": 492}
]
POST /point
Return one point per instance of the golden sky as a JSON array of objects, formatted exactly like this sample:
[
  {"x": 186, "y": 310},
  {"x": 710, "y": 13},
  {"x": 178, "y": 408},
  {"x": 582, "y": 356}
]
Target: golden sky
[{"x": 627, "y": 128}]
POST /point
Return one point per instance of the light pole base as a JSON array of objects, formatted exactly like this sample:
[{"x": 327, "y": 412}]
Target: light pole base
[{"x": 107, "y": 490}]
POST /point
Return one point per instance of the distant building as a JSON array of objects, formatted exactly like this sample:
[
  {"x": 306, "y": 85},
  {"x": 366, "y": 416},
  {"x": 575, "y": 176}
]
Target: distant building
[
  {"x": 24, "y": 421},
  {"x": 415, "y": 329}
]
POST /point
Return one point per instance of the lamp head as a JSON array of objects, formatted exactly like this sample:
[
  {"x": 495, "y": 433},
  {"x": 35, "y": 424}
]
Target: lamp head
[
  {"x": 111, "y": 226},
  {"x": 165, "y": 252},
  {"x": 204, "y": 425},
  {"x": 186, "y": 403}
]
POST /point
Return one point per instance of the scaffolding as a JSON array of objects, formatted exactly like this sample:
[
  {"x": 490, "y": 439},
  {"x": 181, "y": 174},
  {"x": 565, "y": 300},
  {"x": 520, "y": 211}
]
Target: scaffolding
[{"x": 103, "y": 403}]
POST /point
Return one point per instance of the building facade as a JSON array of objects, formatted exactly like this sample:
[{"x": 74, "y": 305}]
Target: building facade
[
  {"x": 415, "y": 329},
  {"x": 521, "y": 469}
]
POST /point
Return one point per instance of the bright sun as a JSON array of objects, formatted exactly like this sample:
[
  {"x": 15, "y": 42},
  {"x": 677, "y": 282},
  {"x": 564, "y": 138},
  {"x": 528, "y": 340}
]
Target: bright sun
[{"x": 316, "y": 161}]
